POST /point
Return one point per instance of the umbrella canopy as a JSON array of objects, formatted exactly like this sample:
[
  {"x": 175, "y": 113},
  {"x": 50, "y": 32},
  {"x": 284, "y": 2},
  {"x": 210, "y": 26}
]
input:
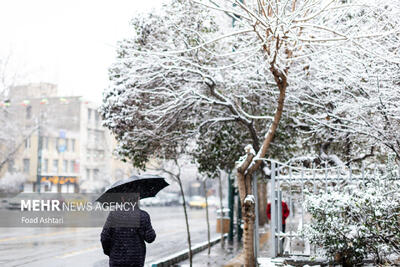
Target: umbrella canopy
[{"x": 145, "y": 186}]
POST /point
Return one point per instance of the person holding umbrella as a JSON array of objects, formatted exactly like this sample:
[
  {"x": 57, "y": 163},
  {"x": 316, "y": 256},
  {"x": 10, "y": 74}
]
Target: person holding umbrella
[{"x": 125, "y": 231}]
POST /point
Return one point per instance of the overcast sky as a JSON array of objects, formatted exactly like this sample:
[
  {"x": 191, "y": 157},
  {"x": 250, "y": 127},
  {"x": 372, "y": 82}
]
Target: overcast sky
[{"x": 68, "y": 42}]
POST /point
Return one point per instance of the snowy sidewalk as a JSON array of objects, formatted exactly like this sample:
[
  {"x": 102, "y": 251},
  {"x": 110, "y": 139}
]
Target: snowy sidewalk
[
  {"x": 218, "y": 256},
  {"x": 265, "y": 248},
  {"x": 231, "y": 256}
]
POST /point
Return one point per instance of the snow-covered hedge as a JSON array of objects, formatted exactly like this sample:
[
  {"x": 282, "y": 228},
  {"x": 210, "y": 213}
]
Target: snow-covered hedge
[{"x": 362, "y": 221}]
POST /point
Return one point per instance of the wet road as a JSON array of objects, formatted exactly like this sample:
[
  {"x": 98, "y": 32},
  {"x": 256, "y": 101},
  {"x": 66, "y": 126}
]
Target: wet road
[{"x": 57, "y": 247}]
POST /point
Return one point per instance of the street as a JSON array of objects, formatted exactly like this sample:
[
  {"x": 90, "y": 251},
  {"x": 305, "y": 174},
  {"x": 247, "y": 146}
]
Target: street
[{"x": 55, "y": 247}]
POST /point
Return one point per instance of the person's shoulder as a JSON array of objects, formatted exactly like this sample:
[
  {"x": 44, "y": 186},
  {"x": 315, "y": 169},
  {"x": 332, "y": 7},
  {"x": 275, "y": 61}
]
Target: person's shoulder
[
  {"x": 144, "y": 213},
  {"x": 144, "y": 216}
]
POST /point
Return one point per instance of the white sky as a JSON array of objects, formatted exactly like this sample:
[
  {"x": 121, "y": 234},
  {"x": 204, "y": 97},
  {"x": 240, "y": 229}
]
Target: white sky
[{"x": 68, "y": 42}]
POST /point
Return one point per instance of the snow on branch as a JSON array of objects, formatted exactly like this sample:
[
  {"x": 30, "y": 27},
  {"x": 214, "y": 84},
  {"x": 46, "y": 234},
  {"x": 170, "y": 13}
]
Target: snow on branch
[
  {"x": 250, "y": 150},
  {"x": 250, "y": 199}
]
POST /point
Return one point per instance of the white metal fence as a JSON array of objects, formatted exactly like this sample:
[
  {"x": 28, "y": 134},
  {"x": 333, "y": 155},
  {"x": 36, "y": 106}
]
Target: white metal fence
[{"x": 289, "y": 184}]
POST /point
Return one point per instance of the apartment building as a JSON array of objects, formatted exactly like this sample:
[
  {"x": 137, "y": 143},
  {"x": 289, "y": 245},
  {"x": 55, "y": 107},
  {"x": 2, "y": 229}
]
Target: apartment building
[{"x": 65, "y": 135}]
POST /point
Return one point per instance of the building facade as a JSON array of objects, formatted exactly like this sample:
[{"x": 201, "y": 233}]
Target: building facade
[{"x": 62, "y": 145}]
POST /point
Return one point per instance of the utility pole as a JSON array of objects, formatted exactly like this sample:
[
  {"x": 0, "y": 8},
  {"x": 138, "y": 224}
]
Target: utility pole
[{"x": 39, "y": 154}]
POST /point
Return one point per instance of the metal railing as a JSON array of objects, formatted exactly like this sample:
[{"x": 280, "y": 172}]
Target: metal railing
[{"x": 289, "y": 184}]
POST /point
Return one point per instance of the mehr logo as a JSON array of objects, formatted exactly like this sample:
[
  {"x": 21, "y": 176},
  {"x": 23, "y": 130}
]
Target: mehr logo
[{"x": 56, "y": 205}]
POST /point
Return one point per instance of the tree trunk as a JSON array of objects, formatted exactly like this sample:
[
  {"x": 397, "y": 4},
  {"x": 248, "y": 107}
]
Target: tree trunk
[
  {"x": 248, "y": 219},
  {"x": 207, "y": 217},
  {"x": 222, "y": 209},
  {"x": 186, "y": 220},
  {"x": 246, "y": 169},
  {"x": 262, "y": 203}
]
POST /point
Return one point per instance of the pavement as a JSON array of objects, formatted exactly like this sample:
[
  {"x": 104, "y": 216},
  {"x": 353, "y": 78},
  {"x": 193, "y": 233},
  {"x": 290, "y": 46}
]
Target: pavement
[
  {"x": 230, "y": 255},
  {"x": 265, "y": 248},
  {"x": 218, "y": 256},
  {"x": 59, "y": 247}
]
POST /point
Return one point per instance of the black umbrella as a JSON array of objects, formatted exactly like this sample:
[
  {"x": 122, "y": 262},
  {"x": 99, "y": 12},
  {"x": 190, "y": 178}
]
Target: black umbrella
[{"x": 145, "y": 186}]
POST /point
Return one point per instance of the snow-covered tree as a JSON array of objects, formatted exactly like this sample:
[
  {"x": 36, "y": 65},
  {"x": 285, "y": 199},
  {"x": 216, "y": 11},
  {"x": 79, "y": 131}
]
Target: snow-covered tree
[
  {"x": 352, "y": 102},
  {"x": 183, "y": 72},
  {"x": 12, "y": 182},
  {"x": 12, "y": 133},
  {"x": 297, "y": 36}
]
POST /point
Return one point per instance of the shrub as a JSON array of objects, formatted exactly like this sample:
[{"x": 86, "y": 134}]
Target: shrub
[{"x": 360, "y": 221}]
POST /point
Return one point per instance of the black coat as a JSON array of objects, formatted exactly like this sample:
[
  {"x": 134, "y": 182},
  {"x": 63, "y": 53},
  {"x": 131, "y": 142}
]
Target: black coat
[{"x": 123, "y": 241}]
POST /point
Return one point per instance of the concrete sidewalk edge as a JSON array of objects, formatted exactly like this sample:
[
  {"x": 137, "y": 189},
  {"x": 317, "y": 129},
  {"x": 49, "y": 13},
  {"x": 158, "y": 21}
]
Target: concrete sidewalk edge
[{"x": 184, "y": 254}]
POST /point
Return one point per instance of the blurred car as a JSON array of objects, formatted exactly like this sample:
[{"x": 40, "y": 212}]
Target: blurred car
[
  {"x": 155, "y": 201},
  {"x": 197, "y": 202},
  {"x": 162, "y": 199},
  {"x": 146, "y": 202},
  {"x": 170, "y": 199},
  {"x": 213, "y": 201}
]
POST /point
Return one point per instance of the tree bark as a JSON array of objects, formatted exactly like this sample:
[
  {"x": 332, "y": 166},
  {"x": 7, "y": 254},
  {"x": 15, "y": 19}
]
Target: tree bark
[
  {"x": 207, "y": 217},
  {"x": 247, "y": 210},
  {"x": 262, "y": 203},
  {"x": 186, "y": 220}
]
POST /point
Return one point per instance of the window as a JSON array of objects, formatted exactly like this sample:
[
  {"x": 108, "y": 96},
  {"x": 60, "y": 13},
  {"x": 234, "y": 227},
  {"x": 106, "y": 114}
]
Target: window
[
  {"x": 45, "y": 165},
  {"x": 54, "y": 188},
  {"x": 57, "y": 143},
  {"x": 40, "y": 143},
  {"x": 96, "y": 173},
  {"x": 26, "y": 163},
  {"x": 96, "y": 117},
  {"x": 65, "y": 165},
  {"x": 55, "y": 166},
  {"x": 66, "y": 144},
  {"x": 72, "y": 166},
  {"x": 89, "y": 114},
  {"x": 29, "y": 112},
  {"x": 73, "y": 145},
  {"x": 28, "y": 142},
  {"x": 11, "y": 165},
  {"x": 97, "y": 136},
  {"x": 45, "y": 144},
  {"x": 89, "y": 136}
]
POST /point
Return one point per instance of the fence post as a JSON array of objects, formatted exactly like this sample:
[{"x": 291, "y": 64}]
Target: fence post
[
  {"x": 302, "y": 200},
  {"x": 280, "y": 220},
  {"x": 273, "y": 212},
  {"x": 256, "y": 235}
]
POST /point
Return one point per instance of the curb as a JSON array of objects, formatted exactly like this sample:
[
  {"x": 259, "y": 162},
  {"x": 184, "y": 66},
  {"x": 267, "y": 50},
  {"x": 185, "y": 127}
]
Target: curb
[{"x": 184, "y": 254}]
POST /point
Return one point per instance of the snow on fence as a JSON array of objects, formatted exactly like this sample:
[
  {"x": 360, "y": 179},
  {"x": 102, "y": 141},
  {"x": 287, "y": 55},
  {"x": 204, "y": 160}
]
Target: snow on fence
[{"x": 289, "y": 183}]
